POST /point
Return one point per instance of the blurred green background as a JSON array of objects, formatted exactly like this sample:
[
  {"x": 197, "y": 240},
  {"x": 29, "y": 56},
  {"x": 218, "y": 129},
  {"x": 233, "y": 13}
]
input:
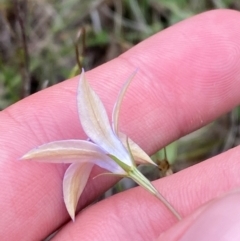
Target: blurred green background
[{"x": 36, "y": 50}]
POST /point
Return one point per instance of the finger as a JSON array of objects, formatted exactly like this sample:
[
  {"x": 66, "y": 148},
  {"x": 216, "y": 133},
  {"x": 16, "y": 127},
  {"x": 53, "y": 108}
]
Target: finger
[
  {"x": 157, "y": 89},
  {"x": 215, "y": 221},
  {"x": 137, "y": 215}
]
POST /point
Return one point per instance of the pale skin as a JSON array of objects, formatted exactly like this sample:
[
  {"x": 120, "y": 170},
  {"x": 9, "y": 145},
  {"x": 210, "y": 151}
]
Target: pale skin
[{"x": 188, "y": 76}]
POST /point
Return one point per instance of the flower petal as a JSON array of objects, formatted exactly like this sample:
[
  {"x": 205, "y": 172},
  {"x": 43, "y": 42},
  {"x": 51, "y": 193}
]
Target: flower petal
[
  {"x": 95, "y": 123},
  {"x": 140, "y": 156},
  {"x": 74, "y": 182},
  {"x": 77, "y": 151},
  {"x": 117, "y": 106}
]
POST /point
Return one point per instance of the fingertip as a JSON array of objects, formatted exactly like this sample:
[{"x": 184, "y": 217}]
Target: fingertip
[{"x": 213, "y": 221}]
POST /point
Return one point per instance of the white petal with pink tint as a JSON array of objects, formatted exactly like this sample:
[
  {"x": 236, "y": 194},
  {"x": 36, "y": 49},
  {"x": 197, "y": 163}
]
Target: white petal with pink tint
[
  {"x": 95, "y": 123},
  {"x": 117, "y": 106},
  {"x": 77, "y": 151},
  {"x": 139, "y": 155},
  {"x": 74, "y": 182}
]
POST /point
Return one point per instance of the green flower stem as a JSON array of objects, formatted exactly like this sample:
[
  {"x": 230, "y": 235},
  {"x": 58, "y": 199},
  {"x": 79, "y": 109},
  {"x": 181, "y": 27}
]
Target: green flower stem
[{"x": 141, "y": 180}]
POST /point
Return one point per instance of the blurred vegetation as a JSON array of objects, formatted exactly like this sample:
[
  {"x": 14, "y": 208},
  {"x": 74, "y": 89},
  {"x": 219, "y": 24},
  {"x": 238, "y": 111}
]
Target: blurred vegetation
[{"x": 36, "y": 49}]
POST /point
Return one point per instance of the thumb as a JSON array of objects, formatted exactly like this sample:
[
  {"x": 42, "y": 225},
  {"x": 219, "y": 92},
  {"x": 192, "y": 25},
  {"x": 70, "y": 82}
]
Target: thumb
[{"x": 218, "y": 220}]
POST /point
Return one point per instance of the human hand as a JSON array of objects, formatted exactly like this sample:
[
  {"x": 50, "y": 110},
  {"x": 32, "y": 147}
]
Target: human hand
[{"x": 188, "y": 76}]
